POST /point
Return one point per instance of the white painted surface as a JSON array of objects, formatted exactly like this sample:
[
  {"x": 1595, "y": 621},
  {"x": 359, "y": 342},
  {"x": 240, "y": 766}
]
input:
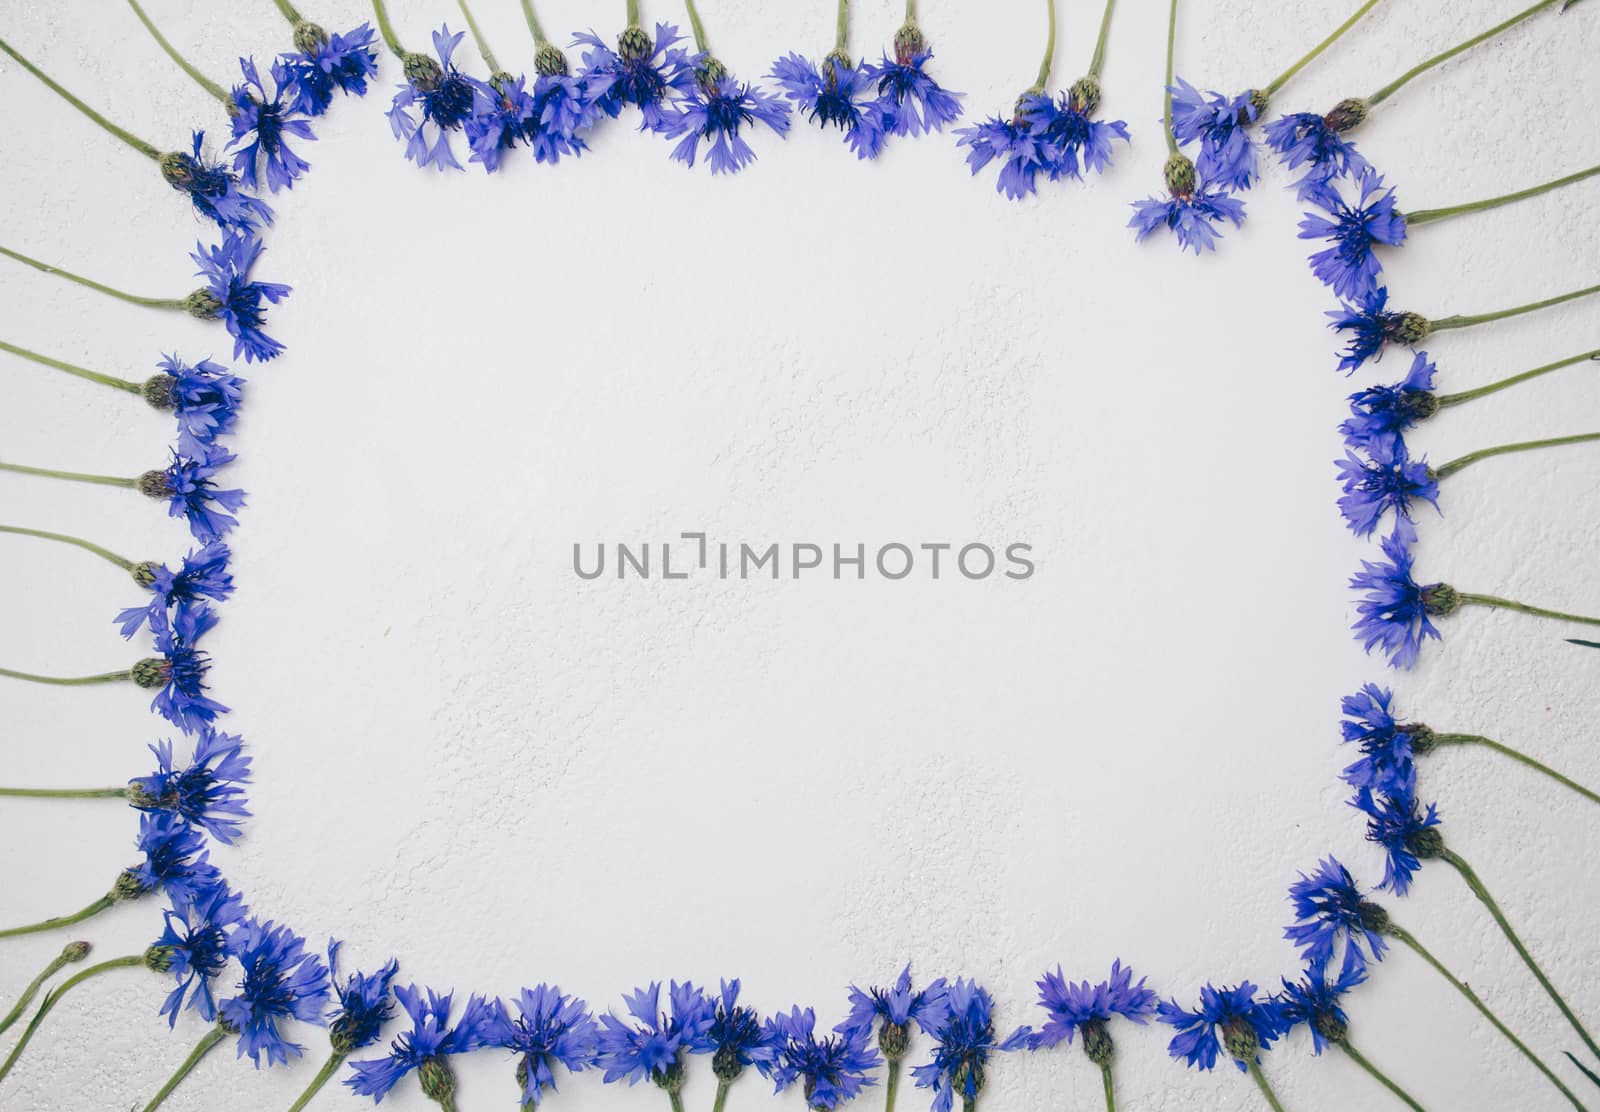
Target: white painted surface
[{"x": 471, "y": 759}]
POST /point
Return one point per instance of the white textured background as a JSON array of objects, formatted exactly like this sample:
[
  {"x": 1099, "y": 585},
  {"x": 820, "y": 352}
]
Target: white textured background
[{"x": 470, "y": 759}]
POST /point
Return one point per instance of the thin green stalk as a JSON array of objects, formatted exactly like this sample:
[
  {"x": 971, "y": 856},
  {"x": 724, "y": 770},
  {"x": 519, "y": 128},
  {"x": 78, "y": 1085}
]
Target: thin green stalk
[
  {"x": 54, "y": 995},
  {"x": 149, "y": 150},
  {"x": 386, "y": 30},
  {"x": 1166, "y": 114},
  {"x": 1099, "y": 59},
  {"x": 722, "y": 1094},
  {"x": 1266, "y": 1090},
  {"x": 73, "y": 369},
  {"x": 329, "y": 1068},
  {"x": 63, "y": 921},
  {"x": 969, "y": 1104},
  {"x": 1518, "y": 756},
  {"x": 1421, "y": 68},
  {"x": 891, "y": 1086},
  {"x": 534, "y": 26},
  {"x": 73, "y": 951},
  {"x": 911, "y": 11},
  {"x": 1105, "y": 1079},
  {"x": 67, "y": 538},
  {"x": 1428, "y": 216},
  {"x": 1049, "y": 50},
  {"x": 698, "y": 27},
  {"x": 46, "y": 268},
  {"x": 1378, "y": 1075},
  {"x": 1446, "y": 469},
  {"x": 1455, "y": 861},
  {"x": 65, "y": 681},
  {"x": 841, "y": 27},
  {"x": 288, "y": 11},
  {"x": 1283, "y": 78},
  {"x": 1422, "y": 952},
  {"x": 63, "y": 793},
  {"x": 1468, "y": 395},
  {"x": 200, "y": 79},
  {"x": 210, "y": 1039},
  {"x": 1523, "y": 608},
  {"x": 633, "y": 13},
  {"x": 676, "y": 1098},
  {"x": 73, "y": 476},
  {"x": 1459, "y": 321},
  {"x": 477, "y": 37}
]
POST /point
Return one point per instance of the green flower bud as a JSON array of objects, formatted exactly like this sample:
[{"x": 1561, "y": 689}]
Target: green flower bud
[
  {"x": 151, "y": 672},
  {"x": 202, "y": 305},
  {"x": 142, "y": 799},
  {"x": 1348, "y": 114},
  {"x": 909, "y": 41},
  {"x": 1181, "y": 176},
  {"x": 75, "y": 951},
  {"x": 308, "y": 37},
  {"x": 1085, "y": 94},
  {"x": 158, "y": 959},
  {"x": 1330, "y": 1027},
  {"x": 155, "y": 484},
  {"x": 1240, "y": 1040},
  {"x": 144, "y": 572},
  {"x": 423, "y": 72},
  {"x": 1426, "y": 843},
  {"x": 1258, "y": 101},
  {"x": 1441, "y": 600},
  {"x": 1097, "y": 1042},
  {"x": 438, "y": 1083},
  {"x": 1374, "y": 917},
  {"x": 548, "y": 61},
  {"x": 672, "y": 1078},
  {"x": 1423, "y": 740},
  {"x": 127, "y": 887},
  {"x": 725, "y": 1064},
  {"x": 635, "y": 43},
  {"x": 157, "y": 392},
  {"x": 708, "y": 73},
  {"x": 1408, "y": 328},
  {"x": 178, "y": 169},
  {"x": 894, "y": 1039}
]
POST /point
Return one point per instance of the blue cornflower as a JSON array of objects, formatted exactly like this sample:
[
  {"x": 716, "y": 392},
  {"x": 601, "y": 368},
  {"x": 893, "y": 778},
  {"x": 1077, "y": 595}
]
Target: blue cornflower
[
  {"x": 564, "y": 110},
  {"x": 503, "y": 115},
  {"x": 1246, "y": 1025},
  {"x": 191, "y": 492},
  {"x": 175, "y": 861},
  {"x": 964, "y": 1040},
  {"x": 194, "y": 948},
  {"x": 233, "y": 298},
  {"x": 551, "y": 1028},
  {"x": 427, "y": 1045},
  {"x": 894, "y": 1010},
  {"x": 837, "y": 94},
  {"x": 440, "y": 95},
  {"x": 1078, "y": 142},
  {"x": 1190, "y": 216},
  {"x": 322, "y": 63},
  {"x": 205, "y": 398},
  {"x": 180, "y": 670},
  {"x": 1395, "y": 611},
  {"x": 1328, "y": 908},
  {"x": 1387, "y": 755},
  {"x": 1406, "y": 831},
  {"x": 1315, "y": 1000},
  {"x": 202, "y": 575},
  {"x": 1388, "y": 479},
  {"x": 910, "y": 101},
  {"x": 1372, "y": 325},
  {"x": 1022, "y": 149},
  {"x": 1381, "y": 414},
  {"x": 717, "y": 109},
  {"x": 364, "y": 1004},
  {"x": 643, "y": 72},
  {"x": 1350, "y": 264},
  {"x": 208, "y": 793},
  {"x": 831, "y": 1070},
  {"x": 1082, "y": 1007},
  {"x": 738, "y": 1038},
  {"x": 1220, "y": 125},
  {"x": 282, "y": 980},
  {"x": 262, "y": 125},
  {"x": 654, "y": 1045},
  {"x": 213, "y": 189},
  {"x": 1317, "y": 143}
]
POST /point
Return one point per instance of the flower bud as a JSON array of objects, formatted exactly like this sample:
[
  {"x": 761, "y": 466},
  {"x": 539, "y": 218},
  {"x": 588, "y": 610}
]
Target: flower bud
[
  {"x": 178, "y": 169},
  {"x": 1419, "y": 405},
  {"x": 144, "y": 572},
  {"x": 127, "y": 887},
  {"x": 1423, "y": 740},
  {"x": 1441, "y": 600},
  {"x": 1180, "y": 175},
  {"x": 343, "y": 1040},
  {"x": 423, "y": 72},
  {"x": 1084, "y": 96},
  {"x": 155, "y": 484},
  {"x": 708, "y": 74},
  {"x": 894, "y": 1039},
  {"x": 226, "y": 1025},
  {"x": 1426, "y": 843},
  {"x": 438, "y": 1083},
  {"x": 75, "y": 951},
  {"x": 1258, "y": 101},
  {"x": 635, "y": 44},
  {"x": 1240, "y": 1040},
  {"x": 308, "y": 37},
  {"x": 202, "y": 305},
  {"x": 1097, "y": 1042},
  {"x": 909, "y": 41},
  {"x": 1408, "y": 328},
  {"x": 548, "y": 61},
  {"x": 832, "y": 64},
  {"x": 1330, "y": 1027},
  {"x": 672, "y": 1077},
  {"x": 1374, "y": 917},
  {"x": 968, "y": 1078},
  {"x": 725, "y": 1064},
  {"x": 158, "y": 392},
  {"x": 158, "y": 959},
  {"x": 151, "y": 672},
  {"x": 1347, "y": 115}
]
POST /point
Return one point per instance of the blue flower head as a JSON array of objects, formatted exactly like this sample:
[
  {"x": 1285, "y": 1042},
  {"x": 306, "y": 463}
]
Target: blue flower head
[
  {"x": 838, "y": 94},
  {"x": 564, "y": 111},
  {"x": 205, "y": 398},
  {"x": 426, "y": 1047},
  {"x": 262, "y": 126},
  {"x": 1315, "y": 1000},
  {"x": 1330, "y": 908},
  {"x": 188, "y": 484},
  {"x": 1229, "y": 1018},
  {"x": 1372, "y": 326},
  {"x": 282, "y": 980},
  {"x": 231, "y": 297},
  {"x": 1318, "y": 144},
  {"x": 718, "y": 109},
  {"x": 1022, "y": 151},
  {"x": 194, "y": 948},
  {"x": 364, "y": 1004},
  {"x": 1388, "y": 757},
  {"x": 1382, "y": 414},
  {"x": 964, "y": 1041},
  {"x": 180, "y": 671},
  {"x": 209, "y": 793},
  {"x": 1077, "y": 141},
  {"x": 202, "y": 575},
  {"x": 1395, "y": 610},
  {"x": 322, "y": 64},
  {"x": 551, "y": 1028},
  {"x": 175, "y": 861},
  {"x": 503, "y": 115},
  {"x": 213, "y": 190},
  {"x": 436, "y": 97},
  {"x": 643, "y": 72},
  {"x": 1407, "y": 832},
  {"x": 653, "y": 1043},
  {"x": 910, "y": 101},
  {"x": 1386, "y": 479},
  {"x": 893, "y": 1010},
  {"x": 1192, "y": 209},
  {"x": 1350, "y": 264},
  {"x": 1221, "y": 126},
  {"x": 737, "y": 1037},
  {"x": 830, "y": 1071},
  {"x": 1082, "y": 1007}
]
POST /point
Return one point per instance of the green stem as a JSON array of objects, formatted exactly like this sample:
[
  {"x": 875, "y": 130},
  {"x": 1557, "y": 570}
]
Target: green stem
[
  {"x": 65, "y": 681},
  {"x": 200, "y": 79},
  {"x": 969, "y": 1104},
  {"x": 54, "y": 995},
  {"x": 1105, "y": 1079},
  {"x": 1483, "y": 1009},
  {"x": 1418, "y": 70},
  {"x": 534, "y": 26},
  {"x": 1468, "y": 395},
  {"x": 381, "y": 11},
  {"x": 210, "y": 1039},
  {"x": 1523, "y": 608},
  {"x": 329, "y": 1068},
  {"x": 1099, "y": 59},
  {"x": 676, "y": 1098},
  {"x": 841, "y": 27},
  {"x": 1378, "y": 1075},
  {"x": 67, "y": 538},
  {"x": 722, "y": 1094},
  {"x": 1459, "y": 321},
  {"x": 288, "y": 11},
  {"x": 74, "y": 476},
  {"x": 477, "y": 37},
  {"x": 64, "y": 921},
  {"x": 1049, "y": 51},
  {"x": 27, "y": 995},
  {"x": 911, "y": 11},
  {"x": 633, "y": 13},
  {"x": 149, "y": 150},
  {"x": 1473, "y": 882},
  {"x": 698, "y": 27},
  {"x": 63, "y": 793},
  {"x": 1166, "y": 114},
  {"x": 73, "y": 369},
  {"x": 1520, "y": 757},
  {"x": 1446, "y": 469},
  {"x": 46, "y": 268},
  {"x": 891, "y": 1085},
  {"x": 1428, "y": 216},
  {"x": 1266, "y": 1090},
  {"x": 1283, "y": 78}
]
